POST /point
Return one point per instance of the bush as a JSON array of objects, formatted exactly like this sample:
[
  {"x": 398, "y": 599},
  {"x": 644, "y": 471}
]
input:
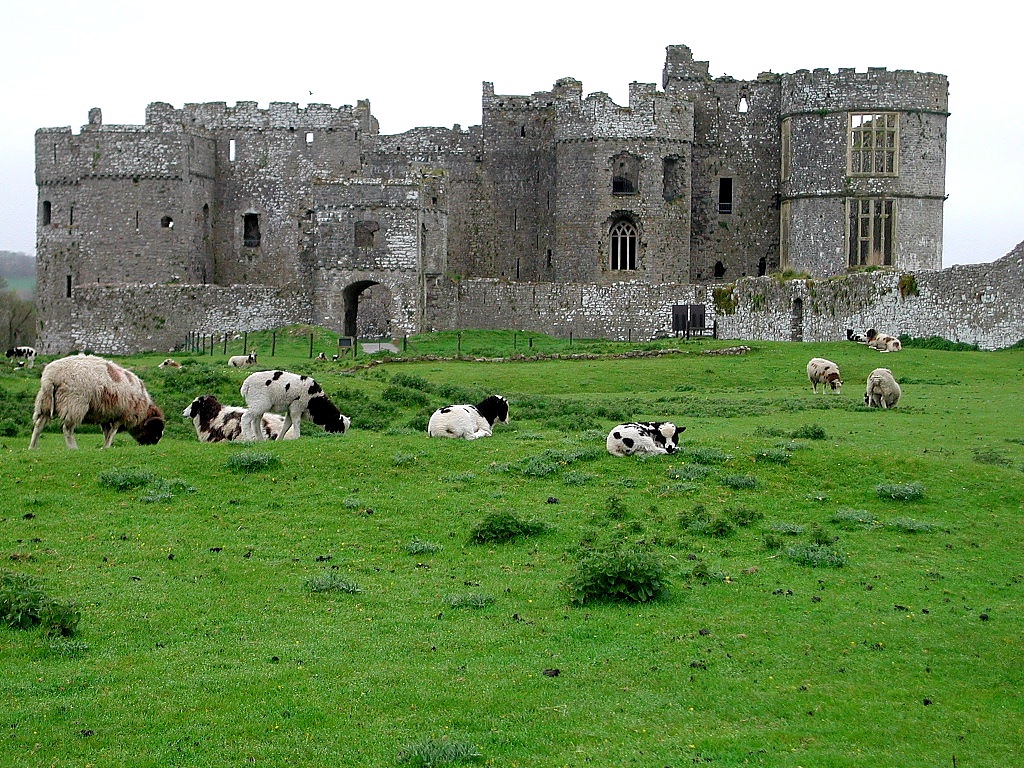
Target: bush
[
  {"x": 816, "y": 555},
  {"x": 24, "y": 604},
  {"x": 809, "y": 432},
  {"x": 499, "y": 527},
  {"x": 630, "y": 574}
]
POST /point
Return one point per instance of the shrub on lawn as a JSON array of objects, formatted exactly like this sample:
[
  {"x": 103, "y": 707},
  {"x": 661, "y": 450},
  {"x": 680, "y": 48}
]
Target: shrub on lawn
[
  {"x": 900, "y": 491},
  {"x": 623, "y": 573},
  {"x": 249, "y": 462},
  {"x": 498, "y": 527},
  {"x": 24, "y": 604},
  {"x": 816, "y": 555},
  {"x": 126, "y": 479}
]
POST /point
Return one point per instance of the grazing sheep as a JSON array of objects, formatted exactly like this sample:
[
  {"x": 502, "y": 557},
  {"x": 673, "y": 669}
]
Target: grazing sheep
[
  {"x": 22, "y": 355},
  {"x": 646, "y": 437},
  {"x": 296, "y": 395},
  {"x": 468, "y": 422},
  {"x": 216, "y": 422},
  {"x": 242, "y": 361},
  {"x": 169, "y": 363},
  {"x": 84, "y": 389},
  {"x": 883, "y": 342},
  {"x": 882, "y": 390},
  {"x": 824, "y": 372}
]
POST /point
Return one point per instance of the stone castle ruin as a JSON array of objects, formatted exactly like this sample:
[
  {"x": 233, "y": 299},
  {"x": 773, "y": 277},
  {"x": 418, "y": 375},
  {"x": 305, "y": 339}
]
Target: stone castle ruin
[{"x": 561, "y": 213}]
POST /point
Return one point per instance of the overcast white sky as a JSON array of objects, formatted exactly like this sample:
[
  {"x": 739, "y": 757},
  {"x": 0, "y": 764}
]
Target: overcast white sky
[{"x": 422, "y": 64}]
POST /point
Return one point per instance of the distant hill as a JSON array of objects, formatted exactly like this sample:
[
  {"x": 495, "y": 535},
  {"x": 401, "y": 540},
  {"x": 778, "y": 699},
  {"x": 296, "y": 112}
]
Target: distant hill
[{"x": 19, "y": 270}]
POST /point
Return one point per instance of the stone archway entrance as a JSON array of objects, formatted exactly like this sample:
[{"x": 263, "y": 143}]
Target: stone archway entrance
[{"x": 368, "y": 310}]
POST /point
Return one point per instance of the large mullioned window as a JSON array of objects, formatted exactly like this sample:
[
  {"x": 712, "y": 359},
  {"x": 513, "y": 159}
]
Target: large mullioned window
[
  {"x": 623, "y": 245},
  {"x": 874, "y": 144},
  {"x": 871, "y": 231}
]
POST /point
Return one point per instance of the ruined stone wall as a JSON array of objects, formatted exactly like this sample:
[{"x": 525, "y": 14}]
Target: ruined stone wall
[{"x": 127, "y": 319}]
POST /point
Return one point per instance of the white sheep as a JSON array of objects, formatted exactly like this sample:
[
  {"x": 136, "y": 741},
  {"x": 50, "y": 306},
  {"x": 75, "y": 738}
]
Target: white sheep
[
  {"x": 882, "y": 390},
  {"x": 295, "y": 395},
  {"x": 169, "y": 363},
  {"x": 242, "y": 361},
  {"x": 468, "y": 422},
  {"x": 824, "y": 372},
  {"x": 84, "y": 389}
]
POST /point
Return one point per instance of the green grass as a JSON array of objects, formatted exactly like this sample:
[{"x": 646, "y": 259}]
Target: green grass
[{"x": 326, "y": 601}]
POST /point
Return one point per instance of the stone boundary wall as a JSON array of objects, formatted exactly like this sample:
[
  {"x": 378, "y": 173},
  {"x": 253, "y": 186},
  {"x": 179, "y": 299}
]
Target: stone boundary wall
[
  {"x": 120, "y": 320},
  {"x": 979, "y": 304}
]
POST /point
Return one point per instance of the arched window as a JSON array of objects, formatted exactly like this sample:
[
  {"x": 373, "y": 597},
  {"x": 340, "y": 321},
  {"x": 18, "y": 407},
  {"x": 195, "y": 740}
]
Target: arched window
[
  {"x": 719, "y": 269},
  {"x": 47, "y": 213},
  {"x": 623, "y": 245}
]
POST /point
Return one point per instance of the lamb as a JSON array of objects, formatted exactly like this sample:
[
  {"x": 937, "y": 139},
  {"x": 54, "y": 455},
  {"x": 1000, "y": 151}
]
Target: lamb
[
  {"x": 468, "y": 422},
  {"x": 85, "y": 389},
  {"x": 215, "y": 422},
  {"x": 882, "y": 389},
  {"x": 296, "y": 395},
  {"x": 22, "y": 355},
  {"x": 824, "y": 372},
  {"x": 242, "y": 361},
  {"x": 883, "y": 342},
  {"x": 169, "y": 363},
  {"x": 647, "y": 437}
]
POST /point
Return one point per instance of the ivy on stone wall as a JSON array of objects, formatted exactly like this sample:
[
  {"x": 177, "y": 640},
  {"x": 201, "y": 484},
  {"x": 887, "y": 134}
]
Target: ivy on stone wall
[{"x": 907, "y": 286}]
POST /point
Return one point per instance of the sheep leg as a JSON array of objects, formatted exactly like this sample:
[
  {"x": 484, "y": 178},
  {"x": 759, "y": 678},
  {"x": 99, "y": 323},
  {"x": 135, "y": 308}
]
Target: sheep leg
[
  {"x": 292, "y": 417},
  {"x": 37, "y": 430},
  {"x": 69, "y": 435},
  {"x": 109, "y": 430},
  {"x": 249, "y": 421}
]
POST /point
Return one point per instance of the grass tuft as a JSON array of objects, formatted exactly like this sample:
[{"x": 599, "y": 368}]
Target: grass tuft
[
  {"x": 851, "y": 519},
  {"x": 332, "y": 582},
  {"x": 910, "y": 525},
  {"x": 900, "y": 491},
  {"x": 740, "y": 482},
  {"x": 252, "y": 461},
  {"x": 468, "y": 600},
  {"x": 816, "y": 555},
  {"x": 420, "y": 547},
  {"x": 434, "y": 752},
  {"x": 126, "y": 479}
]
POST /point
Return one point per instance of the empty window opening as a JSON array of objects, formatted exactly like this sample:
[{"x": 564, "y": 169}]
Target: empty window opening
[
  {"x": 71, "y": 216},
  {"x": 251, "y": 230},
  {"x": 743, "y": 106},
  {"x": 725, "y": 195},
  {"x": 787, "y": 148},
  {"x": 623, "y": 245},
  {"x": 231, "y": 150},
  {"x": 167, "y": 223},
  {"x": 522, "y": 130},
  {"x": 548, "y": 262},
  {"x": 762, "y": 267},
  {"x": 47, "y": 215},
  {"x": 874, "y": 142},
  {"x": 366, "y": 234},
  {"x": 309, "y": 137},
  {"x": 673, "y": 182},
  {"x": 719, "y": 269},
  {"x": 67, "y": 287},
  {"x": 136, "y": 222},
  {"x": 871, "y": 231},
  {"x": 625, "y": 174},
  {"x": 433, "y": 200}
]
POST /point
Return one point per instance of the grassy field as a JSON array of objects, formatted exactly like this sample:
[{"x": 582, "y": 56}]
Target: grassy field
[{"x": 835, "y": 586}]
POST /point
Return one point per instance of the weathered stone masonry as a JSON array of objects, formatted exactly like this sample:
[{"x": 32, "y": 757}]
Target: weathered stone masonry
[{"x": 560, "y": 213}]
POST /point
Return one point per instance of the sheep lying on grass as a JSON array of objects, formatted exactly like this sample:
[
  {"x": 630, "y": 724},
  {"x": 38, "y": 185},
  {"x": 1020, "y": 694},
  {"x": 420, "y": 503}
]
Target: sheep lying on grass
[
  {"x": 216, "y": 422},
  {"x": 468, "y": 422},
  {"x": 296, "y": 395},
  {"x": 648, "y": 437},
  {"x": 85, "y": 389},
  {"x": 882, "y": 389}
]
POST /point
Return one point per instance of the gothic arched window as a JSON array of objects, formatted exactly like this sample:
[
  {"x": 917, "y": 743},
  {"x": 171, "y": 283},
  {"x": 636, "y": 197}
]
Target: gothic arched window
[{"x": 623, "y": 245}]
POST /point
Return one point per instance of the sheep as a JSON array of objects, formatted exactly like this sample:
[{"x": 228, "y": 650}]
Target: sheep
[
  {"x": 169, "y": 363},
  {"x": 22, "y": 355},
  {"x": 85, "y": 389},
  {"x": 647, "y": 437},
  {"x": 858, "y": 336},
  {"x": 882, "y": 389},
  {"x": 296, "y": 395},
  {"x": 883, "y": 342},
  {"x": 215, "y": 422},
  {"x": 468, "y": 422},
  {"x": 822, "y": 371},
  {"x": 242, "y": 361}
]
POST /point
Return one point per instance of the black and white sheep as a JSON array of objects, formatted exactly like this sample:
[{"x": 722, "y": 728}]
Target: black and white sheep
[
  {"x": 883, "y": 342},
  {"x": 296, "y": 396},
  {"x": 216, "y": 422},
  {"x": 468, "y": 422},
  {"x": 169, "y": 363},
  {"x": 242, "y": 361},
  {"x": 25, "y": 356},
  {"x": 882, "y": 390},
  {"x": 860, "y": 337},
  {"x": 824, "y": 372},
  {"x": 643, "y": 437},
  {"x": 85, "y": 389}
]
